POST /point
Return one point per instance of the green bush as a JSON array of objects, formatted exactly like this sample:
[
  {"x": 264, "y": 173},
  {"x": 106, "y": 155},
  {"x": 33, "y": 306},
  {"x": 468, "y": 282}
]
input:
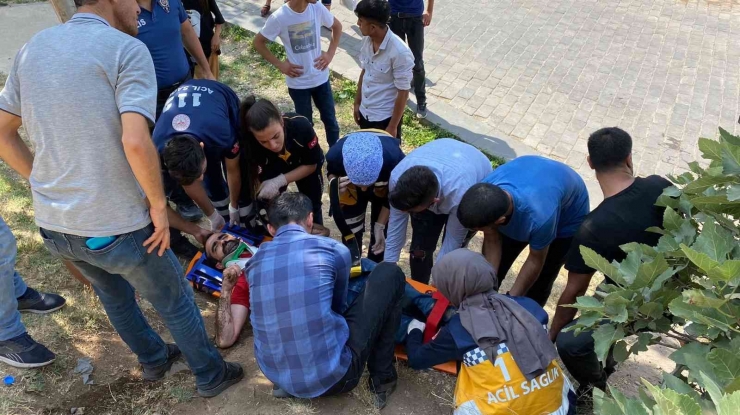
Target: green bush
[{"x": 686, "y": 288}]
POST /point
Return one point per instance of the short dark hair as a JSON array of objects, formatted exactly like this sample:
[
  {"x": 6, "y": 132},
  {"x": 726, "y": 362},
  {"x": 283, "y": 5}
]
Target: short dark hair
[
  {"x": 183, "y": 157},
  {"x": 482, "y": 205},
  {"x": 608, "y": 148},
  {"x": 416, "y": 186},
  {"x": 289, "y": 207},
  {"x": 80, "y": 3},
  {"x": 375, "y": 10}
]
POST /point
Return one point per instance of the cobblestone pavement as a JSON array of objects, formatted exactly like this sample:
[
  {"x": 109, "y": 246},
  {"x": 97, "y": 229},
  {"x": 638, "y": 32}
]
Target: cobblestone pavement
[{"x": 547, "y": 73}]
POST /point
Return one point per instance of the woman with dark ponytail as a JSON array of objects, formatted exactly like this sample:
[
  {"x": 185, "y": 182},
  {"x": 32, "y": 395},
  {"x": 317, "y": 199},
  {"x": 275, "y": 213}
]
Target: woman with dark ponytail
[{"x": 281, "y": 149}]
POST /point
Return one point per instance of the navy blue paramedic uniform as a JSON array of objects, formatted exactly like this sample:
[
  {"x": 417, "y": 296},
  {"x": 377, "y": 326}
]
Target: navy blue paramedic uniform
[
  {"x": 159, "y": 29},
  {"x": 208, "y": 111},
  {"x": 354, "y": 202},
  {"x": 301, "y": 148}
]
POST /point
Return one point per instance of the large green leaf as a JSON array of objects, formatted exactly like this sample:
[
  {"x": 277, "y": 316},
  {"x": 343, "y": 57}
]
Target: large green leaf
[
  {"x": 680, "y": 356},
  {"x": 704, "y": 315},
  {"x": 604, "y": 337},
  {"x": 672, "y": 191},
  {"x": 649, "y": 271},
  {"x": 729, "y": 138},
  {"x": 733, "y": 192},
  {"x": 604, "y": 405},
  {"x": 597, "y": 262},
  {"x": 642, "y": 343},
  {"x": 718, "y": 204},
  {"x": 670, "y": 402},
  {"x": 726, "y": 364},
  {"x": 701, "y": 260},
  {"x": 678, "y": 385},
  {"x": 710, "y": 149},
  {"x": 668, "y": 244},
  {"x": 620, "y": 352},
  {"x": 714, "y": 241},
  {"x": 629, "y": 266},
  {"x": 686, "y": 234},
  {"x": 662, "y": 278},
  {"x": 701, "y": 184},
  {"x": 589, "y": 318},
  {"x": 672, "y": 220},
  {"x": 627, "y": 405},
  {"x": 713, "y": 389},
  {"x": 730, "y": 159},
  {"x": 729, "y": 272},
  {"x": 730, "y": 404},
  {"x": 700, "y": 299},
  {"x": 646, "y": 250},
  {"x": 652, "y": 309}
]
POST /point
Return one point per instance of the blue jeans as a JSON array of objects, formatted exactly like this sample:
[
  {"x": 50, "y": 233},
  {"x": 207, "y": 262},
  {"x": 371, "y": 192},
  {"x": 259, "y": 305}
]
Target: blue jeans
[
  {"x": 11, "y": 286},
  {"x": 118, "y": 269},
  {"x": 324, "y": 100}
]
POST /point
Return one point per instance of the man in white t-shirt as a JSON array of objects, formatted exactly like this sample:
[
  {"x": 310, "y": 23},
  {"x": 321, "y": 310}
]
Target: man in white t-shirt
[{"x": 298, "y": 24}]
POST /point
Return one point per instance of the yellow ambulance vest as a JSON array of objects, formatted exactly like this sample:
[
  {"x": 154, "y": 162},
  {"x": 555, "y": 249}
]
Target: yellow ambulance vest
[{"x": 499, "y": 387}]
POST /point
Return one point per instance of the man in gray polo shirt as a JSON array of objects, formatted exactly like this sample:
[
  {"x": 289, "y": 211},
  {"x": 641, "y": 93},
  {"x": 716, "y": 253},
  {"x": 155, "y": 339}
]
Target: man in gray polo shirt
[{"x": 96, "y": 179}]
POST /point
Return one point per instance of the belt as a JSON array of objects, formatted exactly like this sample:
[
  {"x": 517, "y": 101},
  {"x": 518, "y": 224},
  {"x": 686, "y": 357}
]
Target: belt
[{"x": 405, "y": 15}]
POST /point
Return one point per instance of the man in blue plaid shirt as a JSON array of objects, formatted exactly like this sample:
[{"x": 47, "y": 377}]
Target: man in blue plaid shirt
[{"x": 308, "y": 341}]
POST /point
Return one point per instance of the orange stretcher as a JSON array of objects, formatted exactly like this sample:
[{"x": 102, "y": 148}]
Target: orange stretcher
[{"x": 432, "y": 325}]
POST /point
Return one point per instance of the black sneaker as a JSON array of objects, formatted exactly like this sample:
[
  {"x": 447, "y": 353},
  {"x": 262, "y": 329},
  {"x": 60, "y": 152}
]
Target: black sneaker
[
  {"x": 151, "y": 374},
  {"x": 181, "y": 246},
  {"x": 382, "y": 392},
  {"x": 280, "y": 393},
  {"x": 421, "y": 111},
  {"x": 24, "y": 352},
  {"x": 233, "y": 374},
  {"x": 35, "y": 302},
  {"x": 190, "y": 212}
]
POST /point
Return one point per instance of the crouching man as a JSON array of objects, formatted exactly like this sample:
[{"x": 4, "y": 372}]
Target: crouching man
[{"x": 307, "y": 340}]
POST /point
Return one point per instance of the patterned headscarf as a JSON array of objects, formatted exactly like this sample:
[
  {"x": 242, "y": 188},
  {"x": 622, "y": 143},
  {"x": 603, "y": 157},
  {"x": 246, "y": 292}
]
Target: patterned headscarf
[{"x": 363, "y": 158}]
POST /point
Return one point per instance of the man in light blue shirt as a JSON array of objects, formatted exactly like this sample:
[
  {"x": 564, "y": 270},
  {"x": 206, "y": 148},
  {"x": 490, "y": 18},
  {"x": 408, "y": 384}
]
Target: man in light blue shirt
[
  {"x": 531, "y": 201},
  {"x": 428, "y": 184}
]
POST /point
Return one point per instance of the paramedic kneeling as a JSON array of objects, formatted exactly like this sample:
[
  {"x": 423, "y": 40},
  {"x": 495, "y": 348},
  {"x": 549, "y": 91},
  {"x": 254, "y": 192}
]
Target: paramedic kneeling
[
  {"x": 307, "y": 340},
  {"x": 508, "y": 362}
]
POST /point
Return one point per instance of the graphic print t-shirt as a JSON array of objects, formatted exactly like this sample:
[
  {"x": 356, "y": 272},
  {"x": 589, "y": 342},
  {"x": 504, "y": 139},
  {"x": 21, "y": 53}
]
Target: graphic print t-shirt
[{"x": 301, "y": 35}]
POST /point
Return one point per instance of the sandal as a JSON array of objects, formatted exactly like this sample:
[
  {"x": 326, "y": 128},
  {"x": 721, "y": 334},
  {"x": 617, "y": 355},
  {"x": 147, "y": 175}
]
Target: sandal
[{"x": 265, "y": 10}]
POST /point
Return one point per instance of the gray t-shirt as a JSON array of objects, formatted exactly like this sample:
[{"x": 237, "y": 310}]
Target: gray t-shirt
[{"x": 70, "y": 84}]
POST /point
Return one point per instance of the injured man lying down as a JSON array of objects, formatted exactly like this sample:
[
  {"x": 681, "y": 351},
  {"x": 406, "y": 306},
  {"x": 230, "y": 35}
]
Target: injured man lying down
[{"x": 231, "y": 255}]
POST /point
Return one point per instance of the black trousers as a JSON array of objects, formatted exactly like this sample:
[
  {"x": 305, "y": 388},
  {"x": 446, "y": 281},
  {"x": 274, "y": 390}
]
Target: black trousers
[
  {"x": 411, "y": 30},
  {"x": 354, "y": 206},
  {"x": 373, "y": 320},
  {"x": 427, "y": 226},
  {"x": 579, "y": 356},
  {"x": 380, "y": 125},
  {"x": 555, "y": 259}
]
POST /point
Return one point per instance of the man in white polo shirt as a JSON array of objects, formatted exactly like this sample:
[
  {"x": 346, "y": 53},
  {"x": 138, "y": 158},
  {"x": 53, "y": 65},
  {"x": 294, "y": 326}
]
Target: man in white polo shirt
[{"x": 387, "y": 70}]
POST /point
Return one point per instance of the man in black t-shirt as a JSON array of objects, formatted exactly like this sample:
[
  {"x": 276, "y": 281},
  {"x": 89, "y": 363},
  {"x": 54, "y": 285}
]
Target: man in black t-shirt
[{"x": 627, "y": 211}]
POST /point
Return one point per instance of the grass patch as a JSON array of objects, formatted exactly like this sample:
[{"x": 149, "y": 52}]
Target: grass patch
[{"x": 415, "y": 132}]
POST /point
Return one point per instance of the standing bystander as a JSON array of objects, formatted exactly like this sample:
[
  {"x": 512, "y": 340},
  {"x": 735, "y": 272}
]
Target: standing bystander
[
  {"x": 306, "y": 68},
  {"x": 387, "y": 63},
  {"x": 207, "y": 22},
  {"x": 408, "y": 20},
  {"x": 106, "y": 215},
  {"x": 17, "y": 348}
]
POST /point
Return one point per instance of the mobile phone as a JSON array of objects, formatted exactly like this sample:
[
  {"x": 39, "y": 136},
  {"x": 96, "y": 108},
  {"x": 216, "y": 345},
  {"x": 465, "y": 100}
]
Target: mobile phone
[{"x": 99, "y": 242}]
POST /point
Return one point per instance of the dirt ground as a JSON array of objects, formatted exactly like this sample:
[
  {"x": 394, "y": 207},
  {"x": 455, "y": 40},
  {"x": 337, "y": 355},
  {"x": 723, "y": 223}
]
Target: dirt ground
[{"x": 81, "y": 329}]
